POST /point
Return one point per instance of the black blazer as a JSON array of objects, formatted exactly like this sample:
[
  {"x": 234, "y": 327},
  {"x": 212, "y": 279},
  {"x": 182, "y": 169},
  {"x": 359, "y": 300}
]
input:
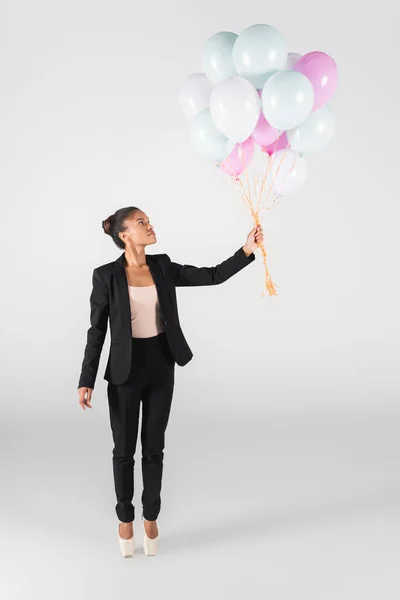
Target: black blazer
[{"x": 109, "y": 300}]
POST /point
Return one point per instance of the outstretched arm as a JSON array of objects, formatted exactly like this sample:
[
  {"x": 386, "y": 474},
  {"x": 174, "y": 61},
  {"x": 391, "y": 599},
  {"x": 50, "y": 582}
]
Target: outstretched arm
[
  {"x": 189, "y": 275},
  {"x": 184, "y": 275}
]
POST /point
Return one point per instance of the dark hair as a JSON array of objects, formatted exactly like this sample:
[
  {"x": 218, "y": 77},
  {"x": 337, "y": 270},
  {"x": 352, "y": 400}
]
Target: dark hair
[{"x": 115, "y": 223}]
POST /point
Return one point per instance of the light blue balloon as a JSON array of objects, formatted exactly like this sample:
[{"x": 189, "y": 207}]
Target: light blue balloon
[
  {"x": 217, "y": 56},
  {"x": 287, "y": 99},
  {"x": 259, "y": 49},
  {"x": 314, "y": 133},
  {"x": 207, "y": 139}
]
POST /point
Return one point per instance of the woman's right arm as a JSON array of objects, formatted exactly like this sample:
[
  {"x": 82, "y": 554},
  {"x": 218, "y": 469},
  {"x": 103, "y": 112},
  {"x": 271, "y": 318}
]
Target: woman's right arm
[{"x": 99, "y": 313}]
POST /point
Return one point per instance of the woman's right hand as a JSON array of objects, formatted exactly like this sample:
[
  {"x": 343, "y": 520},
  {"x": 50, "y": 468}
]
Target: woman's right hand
[{"x": 85, "y": 396}]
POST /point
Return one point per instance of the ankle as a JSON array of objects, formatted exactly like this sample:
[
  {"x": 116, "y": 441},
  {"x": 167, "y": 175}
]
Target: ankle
[
  {"x": 126, "y": 530},
  {"x": 151, "y": 528}
]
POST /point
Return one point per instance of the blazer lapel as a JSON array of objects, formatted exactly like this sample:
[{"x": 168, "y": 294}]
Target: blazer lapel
[{"x": 122, "y": 294}]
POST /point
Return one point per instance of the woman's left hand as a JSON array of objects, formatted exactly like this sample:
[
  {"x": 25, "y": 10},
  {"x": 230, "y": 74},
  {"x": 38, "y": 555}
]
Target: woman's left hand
[{"x": 253, "y": 239}]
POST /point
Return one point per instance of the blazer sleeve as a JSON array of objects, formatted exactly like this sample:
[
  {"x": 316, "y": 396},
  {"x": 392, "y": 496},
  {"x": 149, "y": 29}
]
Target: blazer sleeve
[
  {"x": 99, "y": 313},
  {"x": 190, "y": 275}
]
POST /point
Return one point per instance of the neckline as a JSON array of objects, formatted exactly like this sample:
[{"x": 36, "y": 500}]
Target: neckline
[{"x": 141, "y": 286}]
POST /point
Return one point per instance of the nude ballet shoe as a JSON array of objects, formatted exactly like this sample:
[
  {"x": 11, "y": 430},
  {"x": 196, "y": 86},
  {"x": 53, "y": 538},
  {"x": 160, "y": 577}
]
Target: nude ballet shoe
[
  {"x": 127, "y": 546},
  {"x": 150, "y": 546}
]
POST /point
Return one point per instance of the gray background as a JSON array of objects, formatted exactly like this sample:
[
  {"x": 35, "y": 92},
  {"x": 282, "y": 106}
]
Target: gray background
[{"x": 281, "y": 470}]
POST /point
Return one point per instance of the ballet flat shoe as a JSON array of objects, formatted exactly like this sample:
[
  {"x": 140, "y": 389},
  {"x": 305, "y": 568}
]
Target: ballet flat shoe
[
  {"x": 150, "y": 546},
  {"x": 127, "y": 546}
]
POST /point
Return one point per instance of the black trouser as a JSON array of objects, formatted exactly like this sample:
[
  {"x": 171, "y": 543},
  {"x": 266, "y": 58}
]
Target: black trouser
[{"x": 151, "y": 380}]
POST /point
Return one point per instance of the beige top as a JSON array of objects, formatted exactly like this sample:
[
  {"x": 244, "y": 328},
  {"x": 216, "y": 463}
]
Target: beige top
[{"x": 146, "y": 316}]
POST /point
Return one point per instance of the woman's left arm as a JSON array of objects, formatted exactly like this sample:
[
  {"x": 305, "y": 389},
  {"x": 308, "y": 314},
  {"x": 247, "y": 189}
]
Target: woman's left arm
[{"x": 190, "y": 275}]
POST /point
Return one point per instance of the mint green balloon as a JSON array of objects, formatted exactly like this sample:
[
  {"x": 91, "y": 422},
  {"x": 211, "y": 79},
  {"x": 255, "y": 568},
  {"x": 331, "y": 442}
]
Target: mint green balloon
[
  {"x": 207, "y": 139},
  {"x": 217, "y": 56},
  {"x": 259, "y": 49},
  {"x": 314, "y": 133},
  {"x": 287, "y": 99}
]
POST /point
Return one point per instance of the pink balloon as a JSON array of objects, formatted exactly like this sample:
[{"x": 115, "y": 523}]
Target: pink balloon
[
  {"x": 321, "y": 70},
  {"x": 281, "y": 144},
  {"x": 239, "y": 158},
  {"x": 264, "y": 133}
]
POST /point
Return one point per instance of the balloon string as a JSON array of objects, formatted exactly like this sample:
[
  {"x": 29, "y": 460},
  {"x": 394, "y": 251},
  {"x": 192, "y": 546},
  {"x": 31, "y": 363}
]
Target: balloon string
[
  {"x": 277, "y": 171},
  {"x": 245, "y": 170},
  {"x": 269, "y": 164},
  {"x": 236, "y": 179},
  {"x": 269, "y": 284},
  {"x": 258, "y": 193},
  {"x": 273, "y": 203}
]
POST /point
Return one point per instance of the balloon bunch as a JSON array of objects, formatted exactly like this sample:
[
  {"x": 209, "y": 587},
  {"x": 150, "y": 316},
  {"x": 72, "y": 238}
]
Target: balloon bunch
[{"x": 253, "y": 97}]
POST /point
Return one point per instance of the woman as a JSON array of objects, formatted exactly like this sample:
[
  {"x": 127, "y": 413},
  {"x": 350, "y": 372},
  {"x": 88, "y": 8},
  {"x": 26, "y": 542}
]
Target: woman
[{"x": 136, "y": 293}]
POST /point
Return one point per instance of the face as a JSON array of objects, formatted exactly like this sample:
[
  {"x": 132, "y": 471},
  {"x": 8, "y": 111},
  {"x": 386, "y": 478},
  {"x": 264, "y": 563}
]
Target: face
[{"x": 139, "y": 230}]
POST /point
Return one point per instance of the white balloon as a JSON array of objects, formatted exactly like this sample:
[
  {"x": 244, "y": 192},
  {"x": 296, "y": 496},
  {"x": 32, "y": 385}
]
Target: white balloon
[
  {"x": 217, "y": 56},
  {"x": 287, "y": 172},
  {"x": 207, "y": 139},
  {"x": 292, "y": 59},
  {"x": 314, "y": 133},
  {"x": 235, "y": 108},
  {"x": 194, "y": 95}
]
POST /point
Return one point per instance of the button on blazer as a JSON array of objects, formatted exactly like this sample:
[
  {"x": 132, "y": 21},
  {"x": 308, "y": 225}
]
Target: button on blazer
[{"x": 109, "y": 302}]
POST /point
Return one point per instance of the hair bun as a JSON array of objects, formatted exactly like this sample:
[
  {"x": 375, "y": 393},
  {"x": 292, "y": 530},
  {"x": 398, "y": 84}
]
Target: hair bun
[{"x": 107, "y": 225}]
